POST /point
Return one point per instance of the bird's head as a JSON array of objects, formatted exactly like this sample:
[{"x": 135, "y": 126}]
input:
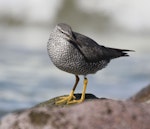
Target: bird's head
[{"x": 65, "y": 30}]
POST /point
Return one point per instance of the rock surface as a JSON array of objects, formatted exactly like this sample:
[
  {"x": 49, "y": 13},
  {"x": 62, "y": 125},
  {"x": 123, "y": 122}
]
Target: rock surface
[
  {"x": 95, "y": 114},
  {"x": 52, "y": 101},
  {"x": 142, "y": 96}
]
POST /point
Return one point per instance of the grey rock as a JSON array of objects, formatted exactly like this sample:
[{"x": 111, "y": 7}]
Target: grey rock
[{"x": 95, "y": 114}]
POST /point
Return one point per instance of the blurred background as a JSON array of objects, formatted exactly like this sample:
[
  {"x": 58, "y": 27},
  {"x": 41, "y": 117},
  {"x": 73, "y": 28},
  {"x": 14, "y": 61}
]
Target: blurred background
[{"x": 27, "y": 76}]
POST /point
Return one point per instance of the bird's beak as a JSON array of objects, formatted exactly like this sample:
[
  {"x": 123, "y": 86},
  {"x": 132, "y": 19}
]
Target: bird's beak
[{"x": 72, "y": 38}]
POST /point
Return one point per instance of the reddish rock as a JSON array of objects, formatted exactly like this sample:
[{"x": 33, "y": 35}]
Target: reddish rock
[
  {"x": 95, "y": 114},
  {"x": 143, "y": 96}
]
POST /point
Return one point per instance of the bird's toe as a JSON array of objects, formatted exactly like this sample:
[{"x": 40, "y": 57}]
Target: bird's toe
[{"x": 64, "y": 99}]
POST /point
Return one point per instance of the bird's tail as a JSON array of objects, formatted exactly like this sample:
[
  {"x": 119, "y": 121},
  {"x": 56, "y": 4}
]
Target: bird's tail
[{"x": 119, "y": 52}]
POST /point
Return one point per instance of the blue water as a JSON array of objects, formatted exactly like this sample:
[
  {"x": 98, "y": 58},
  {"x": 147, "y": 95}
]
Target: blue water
[{"x": 27, "y": 76}]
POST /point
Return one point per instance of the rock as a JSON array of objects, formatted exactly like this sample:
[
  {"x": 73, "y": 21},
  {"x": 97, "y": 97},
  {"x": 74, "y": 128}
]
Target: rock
[
  {"x": 95, "y": 114},
  {"x": 52, "y": 101},
  {"x": 142, "y": 96}
]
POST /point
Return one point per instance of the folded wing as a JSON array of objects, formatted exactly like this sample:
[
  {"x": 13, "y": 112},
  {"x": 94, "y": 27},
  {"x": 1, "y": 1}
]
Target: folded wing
[{"x": 94, "y": 52}]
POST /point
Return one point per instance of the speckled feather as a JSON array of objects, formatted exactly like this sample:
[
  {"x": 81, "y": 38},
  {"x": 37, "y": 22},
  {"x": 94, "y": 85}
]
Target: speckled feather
[{"x": 78, "y": 54}]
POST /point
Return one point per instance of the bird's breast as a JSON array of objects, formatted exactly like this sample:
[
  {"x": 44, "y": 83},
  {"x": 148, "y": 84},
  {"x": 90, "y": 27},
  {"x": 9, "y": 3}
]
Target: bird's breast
[{"x": 62, "y": 53}]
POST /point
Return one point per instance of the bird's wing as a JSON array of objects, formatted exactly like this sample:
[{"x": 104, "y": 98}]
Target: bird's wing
[{"x": 94, "y": 52}]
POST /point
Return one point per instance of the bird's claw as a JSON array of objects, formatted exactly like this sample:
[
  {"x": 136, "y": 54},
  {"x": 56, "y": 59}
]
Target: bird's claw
[{"x": 65, "y": 100}]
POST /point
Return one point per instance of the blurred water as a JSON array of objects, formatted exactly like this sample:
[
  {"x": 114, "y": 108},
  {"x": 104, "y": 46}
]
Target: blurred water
[{"x": 28, "y": 77}]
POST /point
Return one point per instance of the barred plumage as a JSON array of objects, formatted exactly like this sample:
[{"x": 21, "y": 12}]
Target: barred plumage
[{"x": 78, "y": 54}]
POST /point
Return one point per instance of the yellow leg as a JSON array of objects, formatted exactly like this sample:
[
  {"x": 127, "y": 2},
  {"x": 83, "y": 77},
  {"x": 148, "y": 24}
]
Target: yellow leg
[
  {"x": 83, "y": 94},
  {"x": 70, "y": 97},
  {"x": 84, "y": 89}
]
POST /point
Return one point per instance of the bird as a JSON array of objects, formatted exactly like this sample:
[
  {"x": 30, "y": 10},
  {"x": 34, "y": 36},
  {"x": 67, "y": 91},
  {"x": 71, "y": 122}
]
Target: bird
[{"x": 78, "y": 54}]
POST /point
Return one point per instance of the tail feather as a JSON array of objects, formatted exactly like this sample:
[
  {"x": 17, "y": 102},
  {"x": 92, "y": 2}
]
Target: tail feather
[
  {"x": 119, "y": 52},
  {"x": 124, "y": 52}
]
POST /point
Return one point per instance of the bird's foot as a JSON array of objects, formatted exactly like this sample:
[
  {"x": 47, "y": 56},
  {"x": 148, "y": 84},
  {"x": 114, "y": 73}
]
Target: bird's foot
[
  {"x": 68, "y": 100},
  {"x": 71, "y": 99},
  {"x": 64, "y": 100},
  {"x": 75, "y": 101}
]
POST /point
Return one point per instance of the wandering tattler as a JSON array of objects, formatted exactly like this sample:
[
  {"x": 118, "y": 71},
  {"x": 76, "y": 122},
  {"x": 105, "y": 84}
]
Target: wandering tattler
[{"x": 78, "y": 54}]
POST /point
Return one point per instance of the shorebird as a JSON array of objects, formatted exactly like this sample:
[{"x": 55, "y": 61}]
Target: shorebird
[{"x": 78, "y": 54}]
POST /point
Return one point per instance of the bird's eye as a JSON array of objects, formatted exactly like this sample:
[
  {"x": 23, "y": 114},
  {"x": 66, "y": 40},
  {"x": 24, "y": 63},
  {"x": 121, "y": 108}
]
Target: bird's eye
[{"x": 65, "y": 32}]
